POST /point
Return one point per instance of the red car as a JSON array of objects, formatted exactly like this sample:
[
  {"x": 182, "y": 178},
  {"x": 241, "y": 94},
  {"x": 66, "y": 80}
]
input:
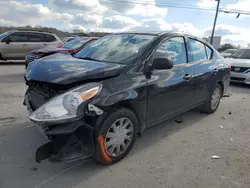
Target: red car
[{"x": 72, "y": 47}]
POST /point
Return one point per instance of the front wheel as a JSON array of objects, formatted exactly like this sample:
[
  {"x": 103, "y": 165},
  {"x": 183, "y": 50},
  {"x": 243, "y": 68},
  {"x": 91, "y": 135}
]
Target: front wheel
[
  {"x": 214, "y": 100},
  {"x": 116, "y": 137}
]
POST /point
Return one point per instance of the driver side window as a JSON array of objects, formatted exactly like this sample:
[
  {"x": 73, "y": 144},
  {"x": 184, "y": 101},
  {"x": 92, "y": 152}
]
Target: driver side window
[{"x": 174, "y": 49}]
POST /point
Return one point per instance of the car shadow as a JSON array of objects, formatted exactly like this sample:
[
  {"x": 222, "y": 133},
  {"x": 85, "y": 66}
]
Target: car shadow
[{"x": 162, "y": 130}]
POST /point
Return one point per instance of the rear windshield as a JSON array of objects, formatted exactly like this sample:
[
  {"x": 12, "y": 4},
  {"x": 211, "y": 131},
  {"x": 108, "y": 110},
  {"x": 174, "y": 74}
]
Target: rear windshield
[
  {"x": 241, "y": 54},
  {"x": 76, "y": 43}
]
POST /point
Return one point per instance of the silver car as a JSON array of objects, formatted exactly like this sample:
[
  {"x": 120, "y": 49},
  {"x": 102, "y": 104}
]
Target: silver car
[
  {"x": 240, "y": 66},
  {"x": 14, "y": 45},
  {"x": 228, "y": 52}
]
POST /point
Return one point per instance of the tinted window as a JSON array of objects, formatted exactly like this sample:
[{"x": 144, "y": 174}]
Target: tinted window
[
  {"x": 50, "y": 38},
  {"x": 173, "y": 49},
  {"x": 198, "y": 50},
  {"x": 36, "y": 37},
  {"x": 209, "y": 52},
  {"x": 19, "y": 37}
]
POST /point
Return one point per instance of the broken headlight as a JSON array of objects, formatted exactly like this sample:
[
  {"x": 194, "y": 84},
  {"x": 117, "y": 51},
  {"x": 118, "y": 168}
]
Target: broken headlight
[{"x": 65, "y": 106}]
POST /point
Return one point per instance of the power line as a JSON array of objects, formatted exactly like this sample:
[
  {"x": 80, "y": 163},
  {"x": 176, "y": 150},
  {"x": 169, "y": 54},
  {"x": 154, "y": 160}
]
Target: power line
[
  {"x": 161, "y": 4},
  {"x": 174, "y": 5}
]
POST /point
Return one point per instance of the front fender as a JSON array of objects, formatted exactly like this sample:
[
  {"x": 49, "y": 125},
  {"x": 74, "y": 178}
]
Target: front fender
[{"x": 128, "y": 92}]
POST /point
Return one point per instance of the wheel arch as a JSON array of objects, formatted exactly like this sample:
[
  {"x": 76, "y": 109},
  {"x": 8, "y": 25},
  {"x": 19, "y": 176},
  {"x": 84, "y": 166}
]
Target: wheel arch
[
  {"x": 130, "y": 106},
  {"x": 222, "y": 86}
]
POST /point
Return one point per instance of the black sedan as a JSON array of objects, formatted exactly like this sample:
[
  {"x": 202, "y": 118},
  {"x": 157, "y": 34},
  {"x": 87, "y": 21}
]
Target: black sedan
[{"x": 96, "y": 103}]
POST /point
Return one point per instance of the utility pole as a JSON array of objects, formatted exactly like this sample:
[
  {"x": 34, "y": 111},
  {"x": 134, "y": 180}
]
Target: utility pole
[{"x": 215, "y": 20}]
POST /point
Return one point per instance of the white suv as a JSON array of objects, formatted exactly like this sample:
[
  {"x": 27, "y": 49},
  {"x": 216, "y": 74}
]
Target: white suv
[{"x": 14, "y": 45}]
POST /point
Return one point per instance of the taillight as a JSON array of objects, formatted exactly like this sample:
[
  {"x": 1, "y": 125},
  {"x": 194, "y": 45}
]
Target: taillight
[{"x": 60, "y": 43}]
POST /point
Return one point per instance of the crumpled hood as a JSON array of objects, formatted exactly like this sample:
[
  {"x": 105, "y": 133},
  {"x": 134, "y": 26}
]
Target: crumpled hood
[
  {"x": 49, "y": 49},
  {"x": 64, "y": 69},
  {"x": 239, "y": 62}
]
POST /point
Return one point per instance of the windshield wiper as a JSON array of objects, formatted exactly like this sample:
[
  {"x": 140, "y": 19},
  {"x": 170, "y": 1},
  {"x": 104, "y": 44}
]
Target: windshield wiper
[{"x": 87, "y": 58}]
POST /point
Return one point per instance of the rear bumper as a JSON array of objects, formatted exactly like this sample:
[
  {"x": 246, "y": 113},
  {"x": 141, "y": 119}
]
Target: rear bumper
[{"x": 240, "y": 77}]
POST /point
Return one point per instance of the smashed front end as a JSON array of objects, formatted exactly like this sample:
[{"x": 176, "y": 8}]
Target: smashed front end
[{"x": 67, "y": 118}]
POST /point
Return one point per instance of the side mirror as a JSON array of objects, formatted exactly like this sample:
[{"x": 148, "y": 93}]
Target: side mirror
[
  {"x": 8, "y": 41},
  {"x": 162, "y": 63}
]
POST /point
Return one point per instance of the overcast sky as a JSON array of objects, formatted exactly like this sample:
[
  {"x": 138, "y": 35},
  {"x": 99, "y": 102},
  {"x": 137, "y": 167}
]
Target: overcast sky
[{"x": 108, "y": 15}]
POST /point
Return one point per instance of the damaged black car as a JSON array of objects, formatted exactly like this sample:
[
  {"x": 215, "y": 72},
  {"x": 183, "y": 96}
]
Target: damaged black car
[{"x": 95, "y": 103}]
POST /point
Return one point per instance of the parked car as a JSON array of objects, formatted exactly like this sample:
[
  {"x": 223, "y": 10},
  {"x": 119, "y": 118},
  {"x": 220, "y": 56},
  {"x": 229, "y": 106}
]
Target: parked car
[
  {"x": 240, "y": 66},
  {"x": 228, "y": 52},
  {"x": 14, "y": 45},
  {"x": 72, "y": 47},
  {"x": 95, "y": 103},
  {"x": 67, "y": 39}
]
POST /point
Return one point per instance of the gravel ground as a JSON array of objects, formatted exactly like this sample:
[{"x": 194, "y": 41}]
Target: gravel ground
[{"x": 168, "y": 155}]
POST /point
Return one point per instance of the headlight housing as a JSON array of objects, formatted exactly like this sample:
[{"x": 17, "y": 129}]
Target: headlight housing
[{"x": 66, "y": 106}]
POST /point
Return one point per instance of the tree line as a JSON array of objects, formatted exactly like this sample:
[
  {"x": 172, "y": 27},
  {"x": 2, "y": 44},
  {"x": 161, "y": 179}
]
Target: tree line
[{"x": 58, "y": 32}]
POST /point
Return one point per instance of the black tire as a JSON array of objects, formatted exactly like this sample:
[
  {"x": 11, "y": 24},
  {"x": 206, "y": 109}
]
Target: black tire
[
  {"x": 207, "y": 107},
  {"x": 101, "y": 155}
]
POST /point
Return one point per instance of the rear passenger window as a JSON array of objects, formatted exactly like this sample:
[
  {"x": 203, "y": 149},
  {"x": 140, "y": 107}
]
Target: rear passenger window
[
  {"x": 209, "y": 52},
  {"x": 174, "y": 49},
  {"x": 50, "y": 38},
  {"x": 198, "y": 50},
  {"x": 19, "y": 37},
  {"x": 36, "y": 37}
]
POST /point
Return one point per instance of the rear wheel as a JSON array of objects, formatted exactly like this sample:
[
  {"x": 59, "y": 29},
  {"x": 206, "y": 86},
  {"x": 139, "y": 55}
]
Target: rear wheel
[
  {"x": 214, "y": 100},
  {"x": 116, "y": 137}
]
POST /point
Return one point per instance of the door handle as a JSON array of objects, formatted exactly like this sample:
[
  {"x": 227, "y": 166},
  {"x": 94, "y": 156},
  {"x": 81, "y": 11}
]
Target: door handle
[
  {"x": 45, "y": 44},
  {"x": 25, "y": 44},
  {"x": 187, "y": 76}
]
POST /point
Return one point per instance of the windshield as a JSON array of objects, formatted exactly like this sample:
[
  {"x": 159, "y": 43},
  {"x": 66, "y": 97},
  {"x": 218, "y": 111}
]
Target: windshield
[
  {"x": 76, "y": 43},
  {"x": 229, "y": 51},
  {"x": 241, "y": 54},
  {"x": 4, "y": 34},
  {"x": 118, "y": 48}
]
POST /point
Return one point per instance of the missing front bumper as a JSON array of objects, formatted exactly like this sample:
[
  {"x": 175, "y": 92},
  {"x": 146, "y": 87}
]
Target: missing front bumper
[{"x": 76, "y": 145}]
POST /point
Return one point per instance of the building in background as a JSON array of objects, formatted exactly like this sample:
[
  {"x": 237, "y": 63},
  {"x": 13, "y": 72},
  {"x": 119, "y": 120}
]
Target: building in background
[{"x": 216, "y": 41}]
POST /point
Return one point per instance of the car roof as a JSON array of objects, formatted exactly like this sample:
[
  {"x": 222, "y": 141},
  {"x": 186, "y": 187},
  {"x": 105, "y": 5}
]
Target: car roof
[
  {"x": 79, "y": 38},
  {"x": 247, "y": 48},
  {"x": 159, "y": 33},
  {"x": 33, "y": 31}
]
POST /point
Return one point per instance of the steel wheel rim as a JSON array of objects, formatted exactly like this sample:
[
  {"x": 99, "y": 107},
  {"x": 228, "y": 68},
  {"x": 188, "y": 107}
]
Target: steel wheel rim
[
  {"x": 215, "y": 98},
  {"x": 119, "y": 136}
]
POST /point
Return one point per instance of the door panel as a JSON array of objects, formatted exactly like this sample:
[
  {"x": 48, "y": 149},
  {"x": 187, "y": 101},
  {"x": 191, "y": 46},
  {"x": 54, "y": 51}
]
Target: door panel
[
  {"x": 204, "y": 77},
  {"x": 204, "y": 69},
  {"x": 17, "y": 46},
  {"x": 170, "y": 91}
]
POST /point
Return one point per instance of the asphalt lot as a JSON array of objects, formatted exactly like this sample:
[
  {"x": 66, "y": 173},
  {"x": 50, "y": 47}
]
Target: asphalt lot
[{"x": 168, "y": 155}]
